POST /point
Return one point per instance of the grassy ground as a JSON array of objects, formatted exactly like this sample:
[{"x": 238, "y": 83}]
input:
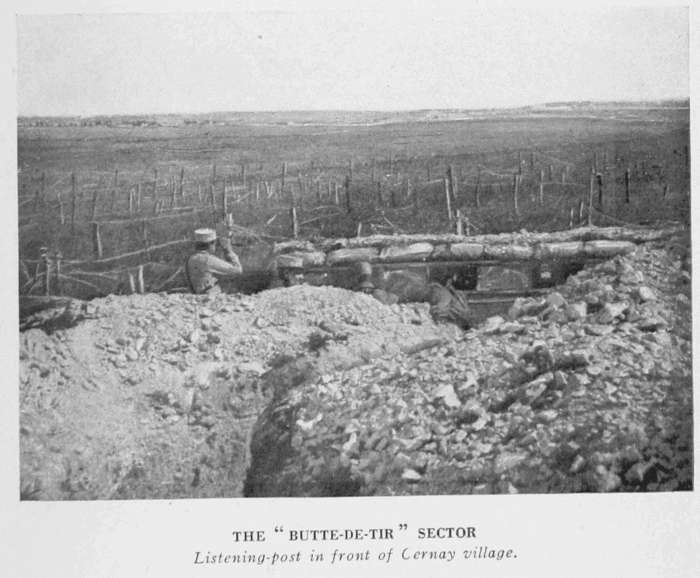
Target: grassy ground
[{"x": 409, "y": 159}]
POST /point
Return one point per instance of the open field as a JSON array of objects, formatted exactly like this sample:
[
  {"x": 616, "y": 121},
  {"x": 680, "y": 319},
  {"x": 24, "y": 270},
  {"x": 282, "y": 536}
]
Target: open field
[{"x": 95, "y": 192}]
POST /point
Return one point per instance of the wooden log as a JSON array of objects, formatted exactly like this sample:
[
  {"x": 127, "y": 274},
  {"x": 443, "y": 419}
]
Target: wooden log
[
  {"x": 558, "y": 250},
  {"x": 466, "y": 251},
  {"x": 340, "y": 256},
  {"x": 604, "y": 249},
  {"x": 508, "y": 252},
  {"x": 412, "y": 252},
  {"x": 96, "y": 241}
]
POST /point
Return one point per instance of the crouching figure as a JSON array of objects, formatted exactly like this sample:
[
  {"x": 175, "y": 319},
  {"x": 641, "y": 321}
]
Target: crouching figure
[{"x": 203, "y": 267}]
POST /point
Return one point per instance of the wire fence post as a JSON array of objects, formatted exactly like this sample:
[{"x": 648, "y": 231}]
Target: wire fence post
[{"x": 96, "y": 241}]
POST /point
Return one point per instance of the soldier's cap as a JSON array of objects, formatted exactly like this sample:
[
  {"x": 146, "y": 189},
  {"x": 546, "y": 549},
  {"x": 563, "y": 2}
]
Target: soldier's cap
[
  {"x": 366, "y": 284},
  {"x": 205, "y": 235},
  {"x": 290, "y": 262}
]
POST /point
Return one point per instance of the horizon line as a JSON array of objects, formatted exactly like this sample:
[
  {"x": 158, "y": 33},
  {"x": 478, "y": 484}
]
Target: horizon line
[{"x": 679, "y": 99}]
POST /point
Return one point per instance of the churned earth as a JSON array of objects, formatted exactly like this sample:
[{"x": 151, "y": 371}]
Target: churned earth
[{"x": 319, "y": 391}]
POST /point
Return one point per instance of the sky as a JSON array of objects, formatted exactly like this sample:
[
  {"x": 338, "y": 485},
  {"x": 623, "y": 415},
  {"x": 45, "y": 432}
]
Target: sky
[{"x": 347, "y": 60}]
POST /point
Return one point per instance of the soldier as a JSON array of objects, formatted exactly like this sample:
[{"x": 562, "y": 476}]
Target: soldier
[{"x": 203, "y": 267}]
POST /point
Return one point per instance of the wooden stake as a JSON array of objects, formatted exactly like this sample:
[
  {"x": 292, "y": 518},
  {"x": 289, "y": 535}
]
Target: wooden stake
[
  {"x": 295, "y": 222},
  {"x": 73, "y": 202},
  {"x": 141, "y": 284},
  {"x": 39, "y": 196},
  {"x": 284, "y": 175},
  {"x": 348, "y": 202},
  {"x": 541, "y": 192},
  {"x": 452, "y": 183},
  {"x": 181, "y": 184},
  {"x": 61, "y": 211},
  {"x": 627, "y": 185},
  {"x": 516, "y": 188},
  {"x": 477, "y": 190},
  {"x": 460, "y": 224},
  {"x": 114, "y": 191},
  {"x": 132, "y": 283},
  {"x": 590, "y": 199},
  {"x": 448, "y": 201},
  {"x": 93, "y": 212},
  {"x": 139, "y": 196},
  {"x": 380, "y": 198},
  {"x": 155, "y": 186},
  {"x": 244, "y": 178},
  {"x": 59, "y": 287},
  {"x": 96, "y": 241},
  {"x": 44, "y": 253},
  {"x": 599, "y": 179}
]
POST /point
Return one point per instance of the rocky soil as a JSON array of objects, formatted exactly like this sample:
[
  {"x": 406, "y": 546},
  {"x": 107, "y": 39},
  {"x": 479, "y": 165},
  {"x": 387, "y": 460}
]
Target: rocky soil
[{"x": 321, "y": 391}]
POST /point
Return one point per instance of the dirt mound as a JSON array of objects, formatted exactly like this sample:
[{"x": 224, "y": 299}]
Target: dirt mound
[
  {"x": 586, "y": 389},
  {"x": 155, "y": 395}
]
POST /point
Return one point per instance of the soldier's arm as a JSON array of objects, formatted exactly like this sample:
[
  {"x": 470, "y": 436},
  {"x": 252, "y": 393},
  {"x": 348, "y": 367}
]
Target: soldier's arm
[{"x": 223, "y": 268}]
